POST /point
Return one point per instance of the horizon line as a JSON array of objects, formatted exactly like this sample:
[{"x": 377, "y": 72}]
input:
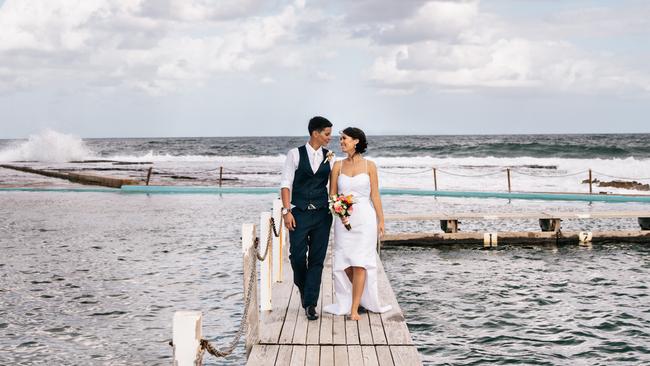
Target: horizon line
[{"x": 379, "y": 135}]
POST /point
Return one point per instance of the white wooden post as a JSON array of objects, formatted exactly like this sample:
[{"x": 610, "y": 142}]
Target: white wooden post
[
  {"x": 278, "y": 243},
  {"x": 266, "y": 279},
  {"x": 250, "y": 269},
  {"x": 186, "y": 328}
]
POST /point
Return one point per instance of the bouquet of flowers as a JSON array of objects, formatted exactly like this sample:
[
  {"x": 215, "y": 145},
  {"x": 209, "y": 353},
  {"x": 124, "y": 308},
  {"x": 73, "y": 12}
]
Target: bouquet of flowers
[{"x": 341, "y": 205}]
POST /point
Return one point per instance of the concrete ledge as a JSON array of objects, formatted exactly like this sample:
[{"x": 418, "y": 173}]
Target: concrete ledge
[{"x": 88, "y": 179}]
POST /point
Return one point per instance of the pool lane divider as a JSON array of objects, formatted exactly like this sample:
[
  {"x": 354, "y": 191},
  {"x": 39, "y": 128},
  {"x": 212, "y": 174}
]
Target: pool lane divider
[
  {"x": 548, "y": 196},
  {"x": 545, "y": 196}
]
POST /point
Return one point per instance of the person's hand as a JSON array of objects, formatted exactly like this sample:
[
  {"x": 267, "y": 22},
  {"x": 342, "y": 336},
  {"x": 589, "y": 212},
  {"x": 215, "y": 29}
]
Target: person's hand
[
  {"x": 289, "y": 221},
  {"x": 380, "y": 229}
]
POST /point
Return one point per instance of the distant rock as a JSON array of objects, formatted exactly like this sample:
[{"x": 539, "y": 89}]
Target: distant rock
[{"x": 621, "y": 184}]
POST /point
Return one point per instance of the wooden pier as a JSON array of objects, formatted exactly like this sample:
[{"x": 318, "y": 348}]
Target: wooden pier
[
  {"x": 550, "y": 229},
  {"x": 286, "y": 337},
  {"x": 277, "y": 332}
]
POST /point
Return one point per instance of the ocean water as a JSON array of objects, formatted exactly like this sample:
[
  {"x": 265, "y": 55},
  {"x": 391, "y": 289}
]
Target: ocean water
[
  {"x": 94, "y": 278},
  {"x": 553, "y": 163}
]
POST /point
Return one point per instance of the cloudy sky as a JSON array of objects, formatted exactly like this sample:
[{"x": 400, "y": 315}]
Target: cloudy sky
[{"x": 120, "y": 68}]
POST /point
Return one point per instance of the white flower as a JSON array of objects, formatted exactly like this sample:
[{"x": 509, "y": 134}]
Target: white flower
[{"x": 330, "y": 156}]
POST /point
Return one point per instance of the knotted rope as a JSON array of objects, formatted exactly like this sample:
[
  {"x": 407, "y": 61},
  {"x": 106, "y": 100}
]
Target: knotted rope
[{"x": 206, "y": 346}]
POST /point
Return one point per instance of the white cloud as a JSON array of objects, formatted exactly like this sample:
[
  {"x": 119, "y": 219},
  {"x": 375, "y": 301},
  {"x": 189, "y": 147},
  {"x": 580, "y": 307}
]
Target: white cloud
[
  {"x": 324, "y": 76},
  {"x": 163, "y": 46},
  {"x": 121, "y": 43},
  {"x": 452, "y": 45}
]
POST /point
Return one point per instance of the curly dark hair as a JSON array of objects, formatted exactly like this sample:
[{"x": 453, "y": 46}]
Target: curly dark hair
[{"x": 357, "y": 133}]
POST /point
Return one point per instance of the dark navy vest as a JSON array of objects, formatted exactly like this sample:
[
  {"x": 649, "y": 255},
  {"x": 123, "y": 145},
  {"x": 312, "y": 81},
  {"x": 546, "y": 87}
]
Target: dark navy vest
[{"x": 309, "y": 188}]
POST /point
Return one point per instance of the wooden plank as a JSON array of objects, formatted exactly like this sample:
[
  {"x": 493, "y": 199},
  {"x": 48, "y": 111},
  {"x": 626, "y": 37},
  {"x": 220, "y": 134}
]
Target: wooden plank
[
  {"x": 298, "y": 356},
  {"x": 327, "y": 356},
  {"x": 314, "y": 326},
  {"x": 384, "y": 356},
  {"x": 284, "y": 355},
  {"x": 355, "y": 356},
  {"x": 394, "y": 323},
  {"x": 405, "y": 356},
  {"x": 313, "y": 356},
  {"x": 300, "y": 333},
  {"x": 263, "y": 355},
  {"x": 341, "y": 356},
  {"x": 369, "y": 356},
  {"x": 516, "y": 215},
  {"x": 326, "y": 320},
  {"x": 286, "y": 336},
  {"x": 272, "y": 321},
  {"x": 338, "y": 324},
  {"x": 513, "y": 238},
  {"x": 377, "y": 329},
  {"x": 338, "y": 330},
  {"x": 351, "y": 332},
  {"x": 365, "y": 335}
]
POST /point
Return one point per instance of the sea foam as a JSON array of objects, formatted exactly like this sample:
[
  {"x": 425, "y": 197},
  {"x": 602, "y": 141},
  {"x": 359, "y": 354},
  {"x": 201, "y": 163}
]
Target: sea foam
[{"x": 47, "y": 146}]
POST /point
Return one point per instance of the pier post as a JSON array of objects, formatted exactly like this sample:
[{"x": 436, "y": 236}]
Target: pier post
[
  {"x": 149, "y": 174},
  {"x": 266, "y": 272},
  {"x": 186, "y": 328},
  {"x": 644, "y": 222},
  {"x": 490, "y": 240},
  {"x": 278, "y": 242},
  {"x": 590, "y": 183},
  {"x": 449, "y": 226},
  {"x": 435, "y": 180},
  {"x": 509, "y": 185},
  {"x": 250, "y": 269},
  {"x": 220, "y": 175},
  {"x": 550, "y": 224}
]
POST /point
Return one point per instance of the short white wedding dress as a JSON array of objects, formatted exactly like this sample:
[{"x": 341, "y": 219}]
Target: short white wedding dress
[{"x": 356, "y": 247}]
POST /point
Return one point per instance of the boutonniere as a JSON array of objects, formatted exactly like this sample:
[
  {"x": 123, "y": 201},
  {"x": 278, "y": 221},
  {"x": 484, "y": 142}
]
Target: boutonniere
[{"x": 330, "y": 155}]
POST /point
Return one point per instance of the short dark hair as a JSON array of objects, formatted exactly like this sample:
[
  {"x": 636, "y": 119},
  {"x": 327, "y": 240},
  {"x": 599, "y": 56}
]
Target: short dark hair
[
  {"x": 357, "y": 133},
  {"x": 318, "y": 124}
]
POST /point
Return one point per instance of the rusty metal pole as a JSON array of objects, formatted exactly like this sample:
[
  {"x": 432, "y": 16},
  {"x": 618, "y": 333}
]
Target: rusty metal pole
[
  {"x": 509, "y": 185},
  {"x": 220, "y": 175},
  {"x": 149, "y": 174},
  {"x": 435, "y": 179},
  {"x": 590, "y": 183}
]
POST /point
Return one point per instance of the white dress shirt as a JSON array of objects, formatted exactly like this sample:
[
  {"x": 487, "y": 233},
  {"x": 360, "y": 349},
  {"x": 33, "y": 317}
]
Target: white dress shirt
[{"x": 293, "y": 160}]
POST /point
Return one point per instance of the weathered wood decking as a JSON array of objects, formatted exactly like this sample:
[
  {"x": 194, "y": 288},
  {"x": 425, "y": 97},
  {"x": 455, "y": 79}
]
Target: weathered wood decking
[
  {"x": 286, "y": 337},
  {"x": 553, "y": 233}
]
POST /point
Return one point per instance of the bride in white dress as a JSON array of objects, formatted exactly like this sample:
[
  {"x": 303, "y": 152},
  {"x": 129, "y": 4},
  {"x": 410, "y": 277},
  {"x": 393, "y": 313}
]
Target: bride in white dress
[{"x": 355, "y": 251}]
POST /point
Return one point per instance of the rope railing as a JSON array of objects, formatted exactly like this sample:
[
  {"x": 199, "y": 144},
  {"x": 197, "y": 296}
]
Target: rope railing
[
  {"x": 517, "y": 170},
  {"x": 550, "y": 175},
  {"x": 471, "y": 175},
  {"x": 206, "y": 346}
]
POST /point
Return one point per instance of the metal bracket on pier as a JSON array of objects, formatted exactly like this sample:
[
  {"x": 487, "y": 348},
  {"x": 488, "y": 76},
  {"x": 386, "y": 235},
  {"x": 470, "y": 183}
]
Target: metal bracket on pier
[
  {"x": 490, "y": 240},
  {"x": 449, "y": 226},
  {"x": 550, "y": 224}
]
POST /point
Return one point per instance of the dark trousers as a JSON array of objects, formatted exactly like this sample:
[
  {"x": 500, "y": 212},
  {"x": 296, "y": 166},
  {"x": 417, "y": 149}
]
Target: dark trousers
[{"x": 308, "y": 247}]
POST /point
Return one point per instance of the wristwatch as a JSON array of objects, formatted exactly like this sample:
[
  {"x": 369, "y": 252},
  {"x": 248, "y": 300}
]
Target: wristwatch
[{"x": 285, "y": 211}]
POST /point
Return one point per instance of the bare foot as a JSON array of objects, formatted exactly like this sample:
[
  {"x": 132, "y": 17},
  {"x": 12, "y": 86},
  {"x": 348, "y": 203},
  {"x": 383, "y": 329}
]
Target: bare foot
[{"x": 354, "y": 317}]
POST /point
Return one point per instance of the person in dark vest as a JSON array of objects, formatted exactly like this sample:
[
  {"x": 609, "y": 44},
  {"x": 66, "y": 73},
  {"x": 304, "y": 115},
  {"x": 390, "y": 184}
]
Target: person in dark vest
[{"x": 305, "y": 210}]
